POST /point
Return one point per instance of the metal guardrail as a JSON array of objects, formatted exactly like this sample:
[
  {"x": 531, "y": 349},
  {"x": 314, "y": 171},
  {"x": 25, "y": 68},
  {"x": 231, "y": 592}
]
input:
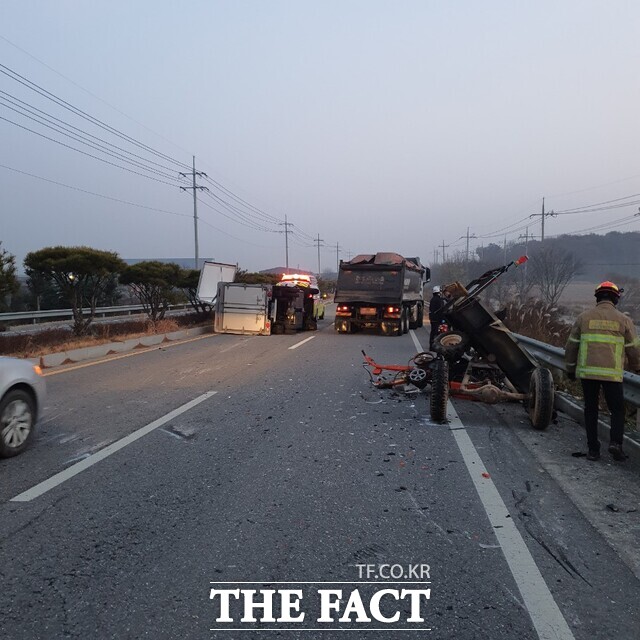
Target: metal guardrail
[
  {"x": 554, "y": 357},
  {"x": 63, "y": 314}
]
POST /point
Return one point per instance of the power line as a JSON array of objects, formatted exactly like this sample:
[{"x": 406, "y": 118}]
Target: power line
[
  {"x": 14, "y": 75},
  {"x": 81, "y": 140},
  {"x": 93, "y": 95},
  {"x": 49, "y": 118},
  {"x": 113, "y": 164},
  {"x": 93, "y": 193}
]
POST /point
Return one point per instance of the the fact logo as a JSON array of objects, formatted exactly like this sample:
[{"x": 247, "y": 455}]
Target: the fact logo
[{"x": 366, "y": 603}]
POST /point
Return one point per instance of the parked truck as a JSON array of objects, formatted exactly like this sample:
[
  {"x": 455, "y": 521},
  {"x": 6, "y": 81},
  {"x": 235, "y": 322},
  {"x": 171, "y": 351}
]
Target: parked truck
[{"x": 382, "y": 291}]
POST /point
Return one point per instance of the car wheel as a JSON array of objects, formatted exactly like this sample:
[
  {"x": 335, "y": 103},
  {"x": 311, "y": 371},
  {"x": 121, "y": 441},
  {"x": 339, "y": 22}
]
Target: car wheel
[{"x": 17, "y": 422}]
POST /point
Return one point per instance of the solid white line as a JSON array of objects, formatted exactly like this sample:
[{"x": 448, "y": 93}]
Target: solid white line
[
  {"x": 416, "y": 342},
  {"x": 545, "y": 615},
  {"x": 77, "y": 468},
  {"x": 299, "y": 344}
]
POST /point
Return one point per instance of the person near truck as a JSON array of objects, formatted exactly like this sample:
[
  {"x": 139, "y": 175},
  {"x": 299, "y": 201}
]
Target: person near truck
[
  {"x": 595, "y": 353},
  {"x": 435, "y": 306}
]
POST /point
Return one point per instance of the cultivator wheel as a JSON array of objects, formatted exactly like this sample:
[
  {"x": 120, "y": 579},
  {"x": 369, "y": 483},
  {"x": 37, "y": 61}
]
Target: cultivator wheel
[
  {"x": 541, "y": 398},
  {"x": 451, "y": 345},
  {"x": 439, "y": 390}
]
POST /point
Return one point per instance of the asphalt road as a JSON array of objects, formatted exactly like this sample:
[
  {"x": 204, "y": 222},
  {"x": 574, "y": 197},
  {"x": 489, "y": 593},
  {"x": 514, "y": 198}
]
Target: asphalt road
[{"x": 272, "y": 461}]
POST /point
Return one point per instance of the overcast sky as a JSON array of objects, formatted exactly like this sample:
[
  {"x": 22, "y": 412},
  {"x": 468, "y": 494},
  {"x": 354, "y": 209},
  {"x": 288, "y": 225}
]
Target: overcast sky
[{"x": 379, "y": 125}]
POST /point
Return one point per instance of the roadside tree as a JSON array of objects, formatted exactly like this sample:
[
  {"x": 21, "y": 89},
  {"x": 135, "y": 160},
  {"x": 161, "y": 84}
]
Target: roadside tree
[
  {"x": 81, "y": 275},
  {"x": 188, "y": 281},
  {"x": 551, "y": 271},
  {"x": 9, "y": 284},
  {"x": 154, "y": 284}
]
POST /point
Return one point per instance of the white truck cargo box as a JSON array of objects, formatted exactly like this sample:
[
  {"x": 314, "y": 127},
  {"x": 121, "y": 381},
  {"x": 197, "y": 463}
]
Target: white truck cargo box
[
  {"x": 211, "y": 274},
  {"x": 243, "y": 309}
]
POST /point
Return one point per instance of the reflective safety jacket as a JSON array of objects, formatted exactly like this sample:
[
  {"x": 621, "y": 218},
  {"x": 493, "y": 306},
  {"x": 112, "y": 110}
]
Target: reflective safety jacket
[{"x": 598, "y": 342}]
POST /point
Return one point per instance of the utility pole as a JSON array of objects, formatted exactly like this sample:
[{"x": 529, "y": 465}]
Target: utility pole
[
  {"x": 526, "y": 253},
  {"x": 317, "y": 242},
  {"x": 505, "y": 248},
  {"x": 195, "y": 188},
  {"x": 286, "y": 240},
  {"x": 543, "y": 215},
  {"x": 435, "y": 256},
  {"x": 337, "y": 258},
  {"x": 473, "y": 235}
]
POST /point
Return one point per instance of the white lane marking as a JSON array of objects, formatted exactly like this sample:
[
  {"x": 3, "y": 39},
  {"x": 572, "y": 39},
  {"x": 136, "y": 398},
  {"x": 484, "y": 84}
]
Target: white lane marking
[
  {"x": 543, "y": 610},
  {"x": 545, "y": 615},
  {"x": 77, "y": 468},
  {"x": 299, "y": 344},
  {"x": 416, "y": 342}
]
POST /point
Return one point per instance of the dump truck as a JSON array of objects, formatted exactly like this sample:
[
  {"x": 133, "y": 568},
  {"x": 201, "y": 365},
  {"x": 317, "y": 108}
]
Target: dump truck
[{"x": 382, "y": 291}]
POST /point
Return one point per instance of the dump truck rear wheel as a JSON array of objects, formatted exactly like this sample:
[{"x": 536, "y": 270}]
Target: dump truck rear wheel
[
  {"x": 439, "y": 390},
  {"x": 541, "y": 398},
  {"x": 451, "y": 345}
]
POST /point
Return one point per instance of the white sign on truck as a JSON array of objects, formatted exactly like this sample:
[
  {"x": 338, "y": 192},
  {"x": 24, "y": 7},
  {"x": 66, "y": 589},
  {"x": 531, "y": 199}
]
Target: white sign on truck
[{"x": 211, "y": 274}]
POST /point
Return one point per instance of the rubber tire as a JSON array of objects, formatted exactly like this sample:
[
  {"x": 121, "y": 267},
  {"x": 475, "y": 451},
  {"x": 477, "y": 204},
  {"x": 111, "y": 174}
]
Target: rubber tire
[
  {"x": 541, "y": 398},
  {"x": 451, "y": 345},
  {"x": 399, "y": 328},
  {"x": 439, "y": 390},
  {"x": 347, "y": 328},
  {"x": 414, "y": 324},
  {"x": 420, "y": 315},
  {"x": 12, "y": 396},
  {"x": 406, "y": 323}
]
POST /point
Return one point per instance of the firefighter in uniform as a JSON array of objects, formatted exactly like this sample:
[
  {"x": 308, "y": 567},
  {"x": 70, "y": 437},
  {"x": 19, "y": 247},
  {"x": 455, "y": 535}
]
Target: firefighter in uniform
[{"x": 595, "y": 353}]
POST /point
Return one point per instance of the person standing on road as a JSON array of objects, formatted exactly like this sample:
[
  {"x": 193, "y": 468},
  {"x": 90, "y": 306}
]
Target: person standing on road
[
  {"x": 595, "y": 353},
  {"x": 435, "y": 306}
]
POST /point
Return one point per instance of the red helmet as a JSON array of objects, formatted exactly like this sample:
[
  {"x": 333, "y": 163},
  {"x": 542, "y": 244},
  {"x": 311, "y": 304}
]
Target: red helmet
[{"x": 608, "y": 287}]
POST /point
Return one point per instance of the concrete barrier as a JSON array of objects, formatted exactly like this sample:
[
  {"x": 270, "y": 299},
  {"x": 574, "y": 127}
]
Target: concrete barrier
[{"x": 102, "y": 350}]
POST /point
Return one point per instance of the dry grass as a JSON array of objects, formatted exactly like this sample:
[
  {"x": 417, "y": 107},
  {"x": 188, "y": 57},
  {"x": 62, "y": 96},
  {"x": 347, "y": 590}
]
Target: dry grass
[
  {"x": 62, "y": 339},
  {"x": 538, "y": 320}
]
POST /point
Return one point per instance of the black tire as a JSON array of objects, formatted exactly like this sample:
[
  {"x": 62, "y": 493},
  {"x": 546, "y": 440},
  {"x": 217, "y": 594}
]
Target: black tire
[
  {"x": 407, "y": 320},
  {"x": 451, "y": 345},
  {"x": 17, "y": 422},
  {"x": 413, "y": 322},
  {"x": 541, "y": 398},
  {"x": 420, "y": 315},
  {"x": 346, "y": 324},
  {"x": 399, "y": 328},
  {"x": 439, "y": 390}
]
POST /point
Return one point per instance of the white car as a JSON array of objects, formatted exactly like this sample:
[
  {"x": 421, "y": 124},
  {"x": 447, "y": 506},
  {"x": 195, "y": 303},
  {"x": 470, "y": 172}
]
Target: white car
[{"x": 22, "y": 394}]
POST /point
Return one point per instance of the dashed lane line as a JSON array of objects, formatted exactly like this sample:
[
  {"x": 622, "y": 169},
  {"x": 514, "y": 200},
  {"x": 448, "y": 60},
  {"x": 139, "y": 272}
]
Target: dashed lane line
[
  {"x": 299, "y": 344},
  {"x": 79, "y": 467}
]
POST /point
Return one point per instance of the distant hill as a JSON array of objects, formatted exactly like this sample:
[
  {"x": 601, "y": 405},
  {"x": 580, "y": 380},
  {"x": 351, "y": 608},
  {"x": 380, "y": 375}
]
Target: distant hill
[{"x": 602, "y": 255}]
